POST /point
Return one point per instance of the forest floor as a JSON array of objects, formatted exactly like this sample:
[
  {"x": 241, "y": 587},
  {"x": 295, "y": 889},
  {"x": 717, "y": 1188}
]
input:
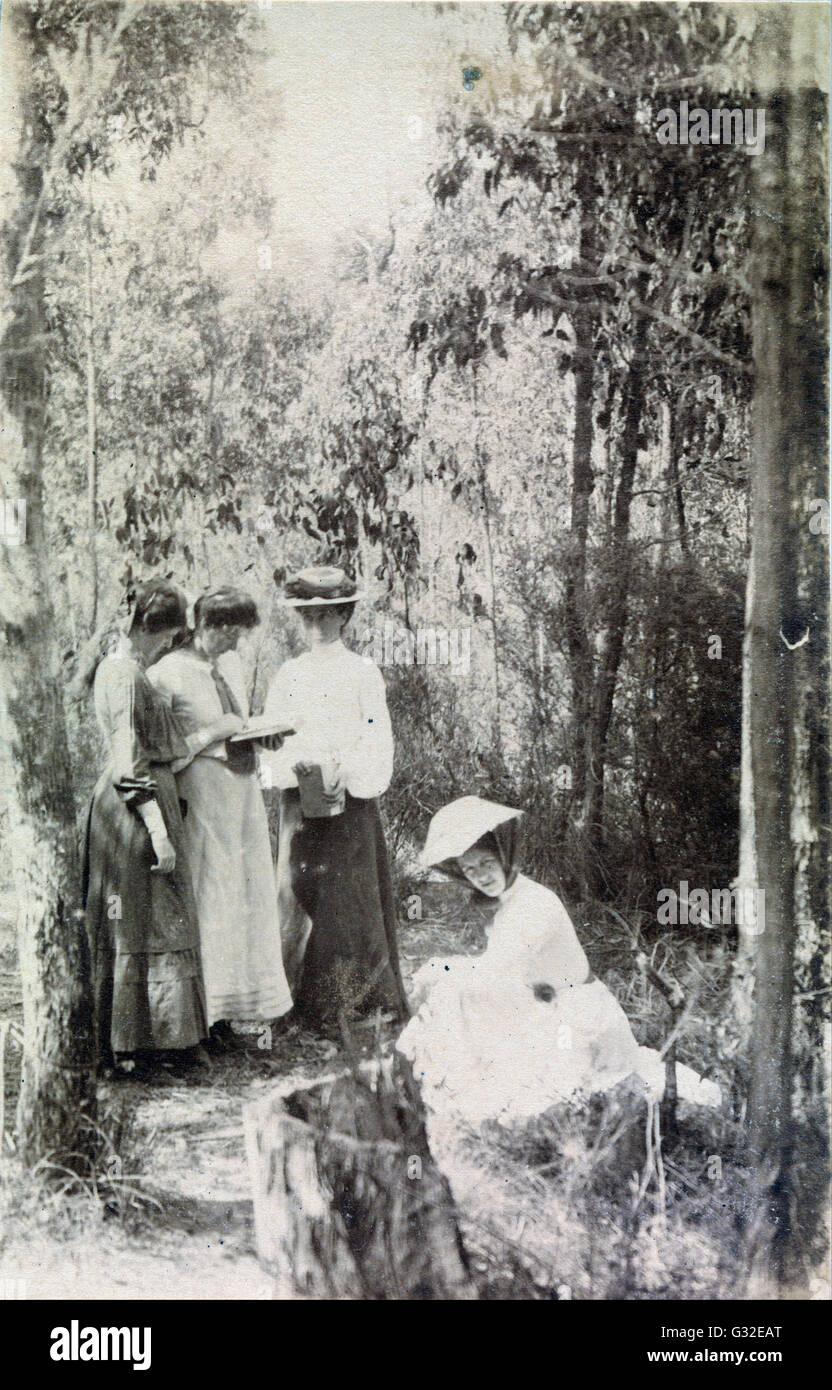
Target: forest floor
[
  {"x": 189, "y": 1232},
  {"x": 565, "y": 1208}
]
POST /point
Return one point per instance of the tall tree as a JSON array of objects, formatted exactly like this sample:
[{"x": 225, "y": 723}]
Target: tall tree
[
  {"x": 645, "y": 302},
  {"x": 788, "y": 667},
  {"x": 70, "y": 66}
]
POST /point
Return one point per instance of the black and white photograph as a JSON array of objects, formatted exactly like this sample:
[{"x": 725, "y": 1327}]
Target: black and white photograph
[{"x": 414, "y": 662}]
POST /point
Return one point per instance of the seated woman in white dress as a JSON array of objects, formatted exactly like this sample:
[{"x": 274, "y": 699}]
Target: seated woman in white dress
[
  {"x": 526, "y": 1025},
  {"x": 226, "y": 831}
]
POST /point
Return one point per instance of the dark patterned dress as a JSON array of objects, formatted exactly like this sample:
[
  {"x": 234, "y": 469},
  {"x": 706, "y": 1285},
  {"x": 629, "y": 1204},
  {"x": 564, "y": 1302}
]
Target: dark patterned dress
[{"x": 142, "y": 925}]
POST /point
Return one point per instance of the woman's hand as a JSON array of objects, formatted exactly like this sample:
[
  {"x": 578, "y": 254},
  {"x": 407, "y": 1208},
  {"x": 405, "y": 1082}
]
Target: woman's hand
[
  {"x": 270, "y": 743},
  {"x": 224, "y": 727},
  {"x": 334, "y": 778},
  {"x": 165, "y": 853}
]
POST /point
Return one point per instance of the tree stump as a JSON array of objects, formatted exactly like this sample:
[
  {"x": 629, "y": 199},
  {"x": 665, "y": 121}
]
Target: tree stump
[{"x": 348, "y": 1202}]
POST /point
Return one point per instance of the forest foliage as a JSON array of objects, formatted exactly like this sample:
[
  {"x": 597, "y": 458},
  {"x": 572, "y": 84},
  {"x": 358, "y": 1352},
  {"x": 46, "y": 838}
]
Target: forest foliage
[
  {"x": 524, "y": 421},
  {"x": 420, "y": 423}
]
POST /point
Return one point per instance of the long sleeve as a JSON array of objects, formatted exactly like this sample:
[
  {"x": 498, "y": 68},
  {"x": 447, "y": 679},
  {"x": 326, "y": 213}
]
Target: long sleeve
[
  {"x": 368, "y": 763},
  {"x": 231, "y": 669},
  {"x": 187, "y": 687},
  {"x": 533, "y": 940},
  {"x": 130, "y": 763},
  {"x": 337, "y": 704},
  {"x": 280, "y": 704}
]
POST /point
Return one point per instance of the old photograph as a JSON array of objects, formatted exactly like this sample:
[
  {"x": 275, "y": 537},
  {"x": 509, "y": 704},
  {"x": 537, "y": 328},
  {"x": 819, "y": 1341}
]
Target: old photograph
[{"x": 414, "y": 659}]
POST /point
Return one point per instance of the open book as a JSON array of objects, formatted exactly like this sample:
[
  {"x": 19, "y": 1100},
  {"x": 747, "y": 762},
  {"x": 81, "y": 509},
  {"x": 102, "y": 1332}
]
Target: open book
[{"x": 261, "y": 728}]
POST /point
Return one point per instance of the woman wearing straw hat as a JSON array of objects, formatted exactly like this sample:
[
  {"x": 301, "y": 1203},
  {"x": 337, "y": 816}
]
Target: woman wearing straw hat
[
  {"x": 335, "y": 895},
  {"x": 525, "y": 1025}
]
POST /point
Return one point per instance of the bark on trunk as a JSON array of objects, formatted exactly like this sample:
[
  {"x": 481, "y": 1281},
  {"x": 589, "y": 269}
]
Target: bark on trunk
[
  {"x": 57, "y": 1091},
  {"x": 92, "y": 428},
  {"x": 348, "y": 1202},
  {"x": 616, "y": 613},
  {"x": 788, "y": 648},
  {"x": 583, "y": 481}
]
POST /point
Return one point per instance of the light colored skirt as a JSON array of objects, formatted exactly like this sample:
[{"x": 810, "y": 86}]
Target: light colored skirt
[
  {"x": 229, "y": 855},
  {"x": 486, "y": 1049}
]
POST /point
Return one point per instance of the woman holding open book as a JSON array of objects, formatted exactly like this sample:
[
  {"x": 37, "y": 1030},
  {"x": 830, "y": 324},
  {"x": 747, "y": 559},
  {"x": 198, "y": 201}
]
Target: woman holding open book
[{"x": 226, "y": 832}]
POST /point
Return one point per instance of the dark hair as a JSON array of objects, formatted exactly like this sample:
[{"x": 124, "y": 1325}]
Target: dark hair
[
  {"x": 158, "y": 605},
  {"x": 226, "y": 605},
  {"x": 345, "y": 611},
  {"x": 487, "y": 843},
  {"x": 153, "y": 606}
]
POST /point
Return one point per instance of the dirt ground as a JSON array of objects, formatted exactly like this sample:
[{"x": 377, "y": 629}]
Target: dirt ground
[
  {"x": 193, "y": 1237},
  {"x": 564, "y": 1208}
]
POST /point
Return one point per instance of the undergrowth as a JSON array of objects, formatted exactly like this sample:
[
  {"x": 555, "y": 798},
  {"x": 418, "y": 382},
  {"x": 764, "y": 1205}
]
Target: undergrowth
[{"x": 106, "y": 1183}]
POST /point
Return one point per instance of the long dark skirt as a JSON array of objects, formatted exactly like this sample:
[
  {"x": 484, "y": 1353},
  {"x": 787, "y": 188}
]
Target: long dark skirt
[
  {"x": 142, "y": 927},
  {"x": 340, "y": 877}
]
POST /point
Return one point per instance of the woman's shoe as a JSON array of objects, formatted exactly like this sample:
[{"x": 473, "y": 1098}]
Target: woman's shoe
[
  {"x": 220, "y": 1039},
  {"x": 187, "y": 1061},
  {"x": 133, "y": 1067}
]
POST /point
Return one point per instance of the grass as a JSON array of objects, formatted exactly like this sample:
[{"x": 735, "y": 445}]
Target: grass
[
  {"x": 107, "y": 1183},
  {"x": 585, "y": 1202},
  {"x": 580, "y": 1202}
]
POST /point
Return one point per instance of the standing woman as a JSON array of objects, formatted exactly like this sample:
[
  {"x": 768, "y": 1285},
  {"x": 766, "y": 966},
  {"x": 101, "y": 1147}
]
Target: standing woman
[
  {"x": 140, "y": 911},
  {"x": 334, "y": 888},
  {"x": 226, "y": 831}
]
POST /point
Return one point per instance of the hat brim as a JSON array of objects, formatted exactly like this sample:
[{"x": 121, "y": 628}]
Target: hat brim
[
  {"x": 319, "y": 602},
  {"x": 454, "y": 840}
]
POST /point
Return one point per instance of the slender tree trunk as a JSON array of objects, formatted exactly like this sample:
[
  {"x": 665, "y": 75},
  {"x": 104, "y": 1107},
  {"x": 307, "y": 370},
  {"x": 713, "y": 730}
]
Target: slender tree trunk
[
  {"x": 788, "y": 645},
  {"x": 583, "y": 480},
  {"x": 675, "y": 482},
  {"x": 742, "y": 981},
  {"x": 492, "y": 579},
  {"x": 92, "y": 433},
  {"x": 615, "y": 617},
  {"x": 57, "y": 1091},
  {"x": 492, "y": 576}
]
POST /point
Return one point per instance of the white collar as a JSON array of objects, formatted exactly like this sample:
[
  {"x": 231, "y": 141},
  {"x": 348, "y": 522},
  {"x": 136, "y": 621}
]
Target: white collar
[{"x": 329, "y": 652}]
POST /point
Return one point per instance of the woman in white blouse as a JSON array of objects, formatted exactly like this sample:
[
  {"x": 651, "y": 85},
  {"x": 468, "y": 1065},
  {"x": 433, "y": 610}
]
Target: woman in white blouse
[
  {"x": 335, "y": 895},
  {"x": 226, "y": 832},
  {"x": 509, "y": 1033}
]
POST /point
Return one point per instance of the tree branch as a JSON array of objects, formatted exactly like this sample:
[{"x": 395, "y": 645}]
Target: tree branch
[
  {"x": 637, "y": 307},
  {"x": 62, "y": 143}
]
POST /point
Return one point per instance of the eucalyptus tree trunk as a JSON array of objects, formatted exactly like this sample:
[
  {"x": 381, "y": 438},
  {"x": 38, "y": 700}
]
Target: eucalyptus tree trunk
[
  {"x": 616, "y": 611},
  {"x": 482, "y": 484},
  {"x": 92, "y": 429},
  {"x": 57, "y": 1090},
  {"x": 788, "y": 669},
  {"x": 576, "y": 619}
]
